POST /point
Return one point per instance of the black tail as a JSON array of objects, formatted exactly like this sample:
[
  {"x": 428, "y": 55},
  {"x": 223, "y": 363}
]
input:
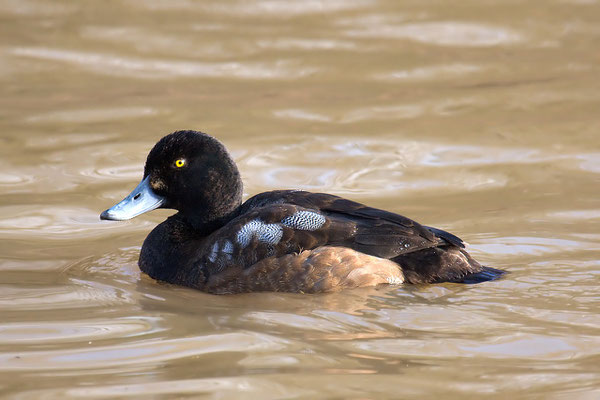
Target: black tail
[
  {"x": 486, "y": 274},
  {"x": 444, "y": 264}
]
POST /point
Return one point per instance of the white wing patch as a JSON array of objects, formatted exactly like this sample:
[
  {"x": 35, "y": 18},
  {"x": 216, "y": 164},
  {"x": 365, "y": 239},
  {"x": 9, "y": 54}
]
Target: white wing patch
[
  {"x": 271, "y": 233},
  {"x": 213, "y": 252},
  {"x": 266, "y": 233},
  {"x": 228, "y": 249},
  {"x": 304, "y": 221},
  {"x": 221, "y": 251}
]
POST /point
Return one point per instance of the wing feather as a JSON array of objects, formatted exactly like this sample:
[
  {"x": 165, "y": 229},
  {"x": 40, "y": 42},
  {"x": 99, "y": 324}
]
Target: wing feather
[{"x": 340, "y": 222}]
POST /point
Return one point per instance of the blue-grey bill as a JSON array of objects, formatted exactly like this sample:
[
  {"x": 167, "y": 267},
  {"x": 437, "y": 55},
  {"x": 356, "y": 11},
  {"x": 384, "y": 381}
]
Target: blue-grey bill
[{"x": 142, "y": 199}]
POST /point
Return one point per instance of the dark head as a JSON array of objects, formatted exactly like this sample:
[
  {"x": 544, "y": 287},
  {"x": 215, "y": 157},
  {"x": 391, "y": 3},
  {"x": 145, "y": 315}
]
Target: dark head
[{"x": 188, "y": 171}]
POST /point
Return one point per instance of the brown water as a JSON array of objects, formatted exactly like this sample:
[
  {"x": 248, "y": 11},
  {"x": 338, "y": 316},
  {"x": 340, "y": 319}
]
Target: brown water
[{"x": 479, "y": 117}]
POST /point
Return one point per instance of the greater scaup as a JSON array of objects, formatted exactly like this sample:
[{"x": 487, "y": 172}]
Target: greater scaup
[{"x": 284, "y": 240}]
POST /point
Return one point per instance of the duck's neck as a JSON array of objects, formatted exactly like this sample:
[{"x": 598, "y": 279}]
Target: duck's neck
[
  {"x": 204, "y": 226},
  {"x": 212, "y": 209}
]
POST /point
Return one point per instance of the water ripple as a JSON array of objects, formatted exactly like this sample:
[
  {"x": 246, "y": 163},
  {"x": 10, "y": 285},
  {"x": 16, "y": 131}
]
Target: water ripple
[
  {"x": 221, "y": 387},
  {"x": 36, "y": 8},
  {"x": 17, "y": 179},
  {"x": 442, "y": 33},
  {"x": 531, "y": 246},
  {"x": 24, "y": 333},
  {"x": 397, "y": 165},
  {"x": 306, "y": 44},
  {"x": 444, "y": 71},
  {"x": 532, "y": 346},
  {"x": 67, "y": 296},
  {"x": 92, "y": 115},
  {"x": 390, "y": 112},
  {"x": 150, "y": 41},
  {"x": 106, "y": 64},
  {"x": 288, "y": 8},
  {"x": 122, "y": 172},
  {"x": 590, "y": 162},
  {"x": 38, "y": 222},
  {"x": 149, "y": 351}
]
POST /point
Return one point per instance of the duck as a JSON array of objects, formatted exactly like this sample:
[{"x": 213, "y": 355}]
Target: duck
[{"x": 280, "y": 240}]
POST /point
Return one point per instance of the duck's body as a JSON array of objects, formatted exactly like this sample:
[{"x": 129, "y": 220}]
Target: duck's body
[{"x": 291, "y": 241}]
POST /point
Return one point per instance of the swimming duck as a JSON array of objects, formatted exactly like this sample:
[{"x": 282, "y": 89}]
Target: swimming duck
[{"x": 283, "y": 240}]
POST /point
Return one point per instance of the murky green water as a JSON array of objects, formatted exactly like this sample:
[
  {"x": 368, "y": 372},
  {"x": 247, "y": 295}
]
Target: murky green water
[{"x": 476, "y": 117}]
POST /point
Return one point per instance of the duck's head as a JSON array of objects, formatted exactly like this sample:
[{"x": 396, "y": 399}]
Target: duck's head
[{"x": 188, "y": 171}]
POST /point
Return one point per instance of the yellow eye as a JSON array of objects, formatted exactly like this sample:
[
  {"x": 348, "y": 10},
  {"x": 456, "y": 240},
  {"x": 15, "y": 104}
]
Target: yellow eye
[{"x": 180, "y": 163}]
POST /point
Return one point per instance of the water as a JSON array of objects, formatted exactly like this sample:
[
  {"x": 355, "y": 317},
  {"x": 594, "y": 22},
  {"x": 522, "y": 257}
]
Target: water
[{"x": 478, "y": 118}]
